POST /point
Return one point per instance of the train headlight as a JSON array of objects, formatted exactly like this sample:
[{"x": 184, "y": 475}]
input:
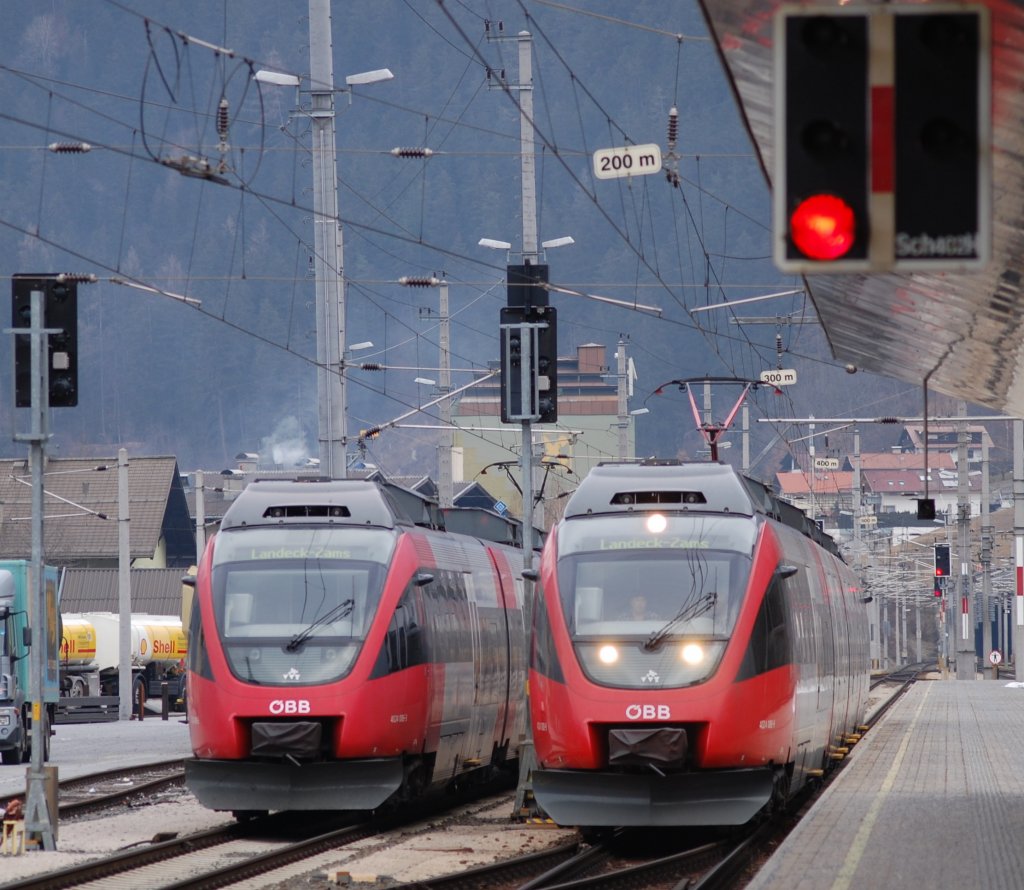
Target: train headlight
[
  {"x": 656, "y": 523},
  {"x": 692, "y": 653},
  {"x": 608, "y": 654}
]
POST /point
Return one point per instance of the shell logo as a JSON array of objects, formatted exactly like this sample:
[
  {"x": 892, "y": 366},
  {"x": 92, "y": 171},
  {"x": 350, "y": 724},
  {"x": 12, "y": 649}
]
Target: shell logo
[{"x": 143, "y": 646}]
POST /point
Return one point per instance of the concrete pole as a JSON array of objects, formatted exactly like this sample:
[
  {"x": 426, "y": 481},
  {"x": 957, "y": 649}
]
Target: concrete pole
[
  {"x": 810, "y": 452},
  {"x": 966, "y": 660},
  {"x": 622, "y": 404},
  {"x": 856, "y": 506},
  {"x": 884, "y": 633},
  {"x": 986, "y": 559},
  {"x": 917, "y": 632},
  {"x": 124, "y": 596},
  {"x": 528, "y": 179},
  {"x": 897, "y": 646},
  {"x": 39, "y": 821},
  {"x": 1018, "y": 540},
  {"x": 746, "y": 437},
  {"x": 328, "y": 251},
  {"x": 446, "y": 484},
  {"x": 200, "y": 516},
  {"x": 904, "y": 608}
]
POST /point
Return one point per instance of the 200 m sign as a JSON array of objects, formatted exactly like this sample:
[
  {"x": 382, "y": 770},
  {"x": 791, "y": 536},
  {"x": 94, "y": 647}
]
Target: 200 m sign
[{"x": 630, "y": 160}]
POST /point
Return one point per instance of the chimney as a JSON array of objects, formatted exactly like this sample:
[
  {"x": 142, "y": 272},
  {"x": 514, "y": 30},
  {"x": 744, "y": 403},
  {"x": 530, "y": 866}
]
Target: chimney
[{"x": 591, "y": 358}]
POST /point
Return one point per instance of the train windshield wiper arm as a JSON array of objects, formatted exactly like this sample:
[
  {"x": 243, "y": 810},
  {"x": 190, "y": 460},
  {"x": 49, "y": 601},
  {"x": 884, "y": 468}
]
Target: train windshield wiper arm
[
  {"x": 342, "y": 610},
  {"x": 685, "y": 614}
]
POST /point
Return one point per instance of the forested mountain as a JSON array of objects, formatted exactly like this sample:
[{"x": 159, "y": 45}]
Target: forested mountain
[{"x": 233, "y": 368}]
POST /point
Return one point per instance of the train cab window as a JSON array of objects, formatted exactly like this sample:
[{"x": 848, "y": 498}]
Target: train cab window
[
  {"x": 613, "y": 578},
  {"x": 293, "y": 605},
  {"x": 647, "y": 608}
]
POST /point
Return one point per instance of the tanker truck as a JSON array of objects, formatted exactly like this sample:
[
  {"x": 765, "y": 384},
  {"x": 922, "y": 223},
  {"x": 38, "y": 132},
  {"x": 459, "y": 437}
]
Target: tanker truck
[{"x": 89, "y": 655}]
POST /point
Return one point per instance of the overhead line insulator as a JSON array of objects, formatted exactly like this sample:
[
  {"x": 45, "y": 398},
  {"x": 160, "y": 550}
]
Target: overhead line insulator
[
  {"x": 69, "y": 148},
  {"x": 412, "y": 152},
  {"x": 222, "y": 119}
]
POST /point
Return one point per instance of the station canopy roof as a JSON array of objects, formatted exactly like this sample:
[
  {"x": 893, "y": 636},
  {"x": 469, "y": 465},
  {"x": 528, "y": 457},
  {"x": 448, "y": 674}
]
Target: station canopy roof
[{"x": 963, "y": 331}]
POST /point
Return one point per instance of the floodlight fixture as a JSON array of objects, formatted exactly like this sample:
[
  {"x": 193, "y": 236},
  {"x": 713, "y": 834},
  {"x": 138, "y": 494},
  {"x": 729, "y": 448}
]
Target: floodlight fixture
[
  {"x": 564, "y": 241},
  {"x": 494, "y": 245},
  {"x": 426, "y": 381},
  {"x": 365, "y": 77},
  {"x": 278, "y": 78},
  {"x": 366, "y": 344}
]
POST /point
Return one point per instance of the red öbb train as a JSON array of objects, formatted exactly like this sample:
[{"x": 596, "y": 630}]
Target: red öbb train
[
  {"x": 349, "y": 648},
  {"x": 700, "y": 650}
]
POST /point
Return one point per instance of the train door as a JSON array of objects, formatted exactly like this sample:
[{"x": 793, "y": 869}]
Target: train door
[
  {"x": 826, "y": 653},
  {"x": 451, "y": 662},
  {"x": 485, "y": 634},
  {"x": 806, "y": 754},
  {"x": 505, "y": 655},
  {"x": 841, "y": 637}
]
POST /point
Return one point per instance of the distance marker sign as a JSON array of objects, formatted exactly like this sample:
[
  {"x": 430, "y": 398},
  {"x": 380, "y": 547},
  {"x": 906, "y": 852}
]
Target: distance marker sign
[{"x": 630, "y": 160}]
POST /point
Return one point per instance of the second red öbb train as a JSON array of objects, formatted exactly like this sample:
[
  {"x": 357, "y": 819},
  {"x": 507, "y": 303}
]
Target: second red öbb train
[{"x": 699, "y": 651}]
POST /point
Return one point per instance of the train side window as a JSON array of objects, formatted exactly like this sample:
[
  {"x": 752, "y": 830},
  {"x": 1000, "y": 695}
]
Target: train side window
[
  {"x": 198, "y": 658},
  {"x": 779, "y": 647},
  {"x": 770, "y": 643}
]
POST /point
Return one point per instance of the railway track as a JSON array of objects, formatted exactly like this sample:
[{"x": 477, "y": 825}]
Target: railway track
[
  {"x": 213, "y": 858},
  {"x": 97, "y": 791},
  {"x": 241, "y": 851},
  {"x": 717, "y": 864},
  {"x": 608, "y": 864}
]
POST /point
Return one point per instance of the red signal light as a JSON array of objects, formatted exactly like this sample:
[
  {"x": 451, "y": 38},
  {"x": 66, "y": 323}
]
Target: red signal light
[{"x": 822, "y": 227}]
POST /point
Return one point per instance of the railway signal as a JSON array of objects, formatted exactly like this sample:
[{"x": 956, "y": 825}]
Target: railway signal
[
  {"x": 941, "y": 561},
  {"x": 60, "y": 317},
  {"x": 882, "y": 143},
  {"x": 529, "y": 348}
]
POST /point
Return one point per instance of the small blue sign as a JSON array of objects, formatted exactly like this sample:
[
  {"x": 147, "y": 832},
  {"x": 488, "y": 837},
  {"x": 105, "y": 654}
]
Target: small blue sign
[{"x": 501, "y": 508}]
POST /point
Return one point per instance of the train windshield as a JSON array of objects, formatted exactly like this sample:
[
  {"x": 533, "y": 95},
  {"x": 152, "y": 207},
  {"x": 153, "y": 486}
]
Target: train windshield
[
  {"x": 654, "y": 575},
  {"x": 293, "y": 604}
]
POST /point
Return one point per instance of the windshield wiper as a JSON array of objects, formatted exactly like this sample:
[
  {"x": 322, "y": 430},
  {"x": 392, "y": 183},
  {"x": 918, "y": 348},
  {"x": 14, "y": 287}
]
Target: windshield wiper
[
  {"x": 685, "y": 614},
  {"x": 342, "y": 610}
]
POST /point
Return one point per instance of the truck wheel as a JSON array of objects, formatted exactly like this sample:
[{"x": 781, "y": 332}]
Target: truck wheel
[
  {"x": 138, "y": 695},
  {"x": 78, "y": 688},
  {"x": 11, "y": 757}
]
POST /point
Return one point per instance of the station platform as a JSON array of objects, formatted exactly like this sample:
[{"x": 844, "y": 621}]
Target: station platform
[{"x": 932, "y": 796}]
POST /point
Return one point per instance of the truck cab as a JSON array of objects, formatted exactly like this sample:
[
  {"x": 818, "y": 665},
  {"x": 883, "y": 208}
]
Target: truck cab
[{"x": 16, "y": 694}]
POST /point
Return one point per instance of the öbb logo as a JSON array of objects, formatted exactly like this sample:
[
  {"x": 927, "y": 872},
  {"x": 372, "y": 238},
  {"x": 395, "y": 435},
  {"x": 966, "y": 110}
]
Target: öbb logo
[
  {"x": 289, "y": 706},
  {"x": 648, "y": 712}
]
